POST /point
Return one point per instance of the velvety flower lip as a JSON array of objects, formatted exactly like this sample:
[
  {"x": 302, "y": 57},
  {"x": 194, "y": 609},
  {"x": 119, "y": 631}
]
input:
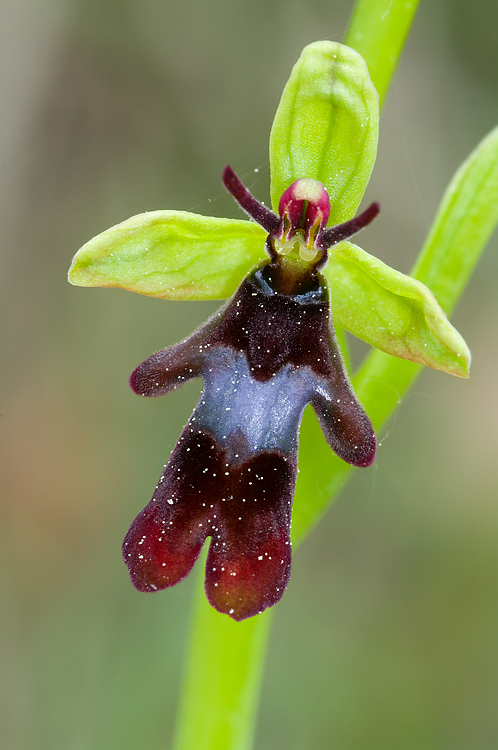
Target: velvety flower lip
[{"x": 269, "y": 352}]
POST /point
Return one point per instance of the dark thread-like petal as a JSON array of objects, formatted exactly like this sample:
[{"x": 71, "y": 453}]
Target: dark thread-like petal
[
  {"x": 256, "y": 210},
  {"x": 341, "y": 232}
]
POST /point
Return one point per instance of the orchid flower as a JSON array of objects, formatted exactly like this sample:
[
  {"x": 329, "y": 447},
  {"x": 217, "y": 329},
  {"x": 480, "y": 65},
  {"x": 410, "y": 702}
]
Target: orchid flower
[{"x": 271, "y": 349}]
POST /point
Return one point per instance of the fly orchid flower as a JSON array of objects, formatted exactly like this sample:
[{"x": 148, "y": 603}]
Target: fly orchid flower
[
  {"x": 266, "y": 355},
  {"x": 271, "y": 350}
]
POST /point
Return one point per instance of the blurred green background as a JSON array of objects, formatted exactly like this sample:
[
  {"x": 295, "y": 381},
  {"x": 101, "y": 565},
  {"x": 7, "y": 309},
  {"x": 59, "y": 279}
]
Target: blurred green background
[{"x": 387, "y": 637}]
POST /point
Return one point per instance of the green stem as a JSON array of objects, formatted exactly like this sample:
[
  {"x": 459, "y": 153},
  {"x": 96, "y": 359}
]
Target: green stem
[
  {"x": 377, "y": 31},
  {"x": 222, "y": 679},
  {"x": 225, "y": 662}
]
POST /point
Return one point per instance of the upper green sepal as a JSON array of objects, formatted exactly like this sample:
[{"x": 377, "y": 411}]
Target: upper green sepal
[
  {"x": 171, "y": 255},
  {"x": 326, "y": 127},
  {"x": 393, "y": 312}
]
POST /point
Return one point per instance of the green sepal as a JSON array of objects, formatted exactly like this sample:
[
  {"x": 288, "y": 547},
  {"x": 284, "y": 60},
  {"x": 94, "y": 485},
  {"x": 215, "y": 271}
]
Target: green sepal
[
  {"x": 393, "y": 312},
  {"x": 326, "y": 127},
  {"x": 171, "y": 255}
]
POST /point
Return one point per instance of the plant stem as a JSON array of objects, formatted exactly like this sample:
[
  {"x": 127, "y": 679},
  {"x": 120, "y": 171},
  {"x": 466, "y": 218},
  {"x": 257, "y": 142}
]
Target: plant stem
[
  {"x": 223, "y": 677},
  {"x": 378, "y": 30}
]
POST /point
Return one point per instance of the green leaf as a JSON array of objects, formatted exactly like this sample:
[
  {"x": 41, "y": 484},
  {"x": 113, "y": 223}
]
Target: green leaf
[
  {"x": 467, "y": 216},
  {"x": 171, "y": 255},
  {"x": 326, "y": 127},
  {"x": 393, "y": 312},
  {"x": 378, "y": 31}
]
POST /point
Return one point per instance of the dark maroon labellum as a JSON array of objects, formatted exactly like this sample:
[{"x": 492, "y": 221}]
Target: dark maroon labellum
[{"x": 267, "y": 354}]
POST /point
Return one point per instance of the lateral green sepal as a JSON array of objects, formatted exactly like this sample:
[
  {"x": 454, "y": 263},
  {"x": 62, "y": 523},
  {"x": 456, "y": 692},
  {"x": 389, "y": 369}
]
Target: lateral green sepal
[
  {"x": 171, "y": 255},
  {"x": 393, "y": 312}
]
